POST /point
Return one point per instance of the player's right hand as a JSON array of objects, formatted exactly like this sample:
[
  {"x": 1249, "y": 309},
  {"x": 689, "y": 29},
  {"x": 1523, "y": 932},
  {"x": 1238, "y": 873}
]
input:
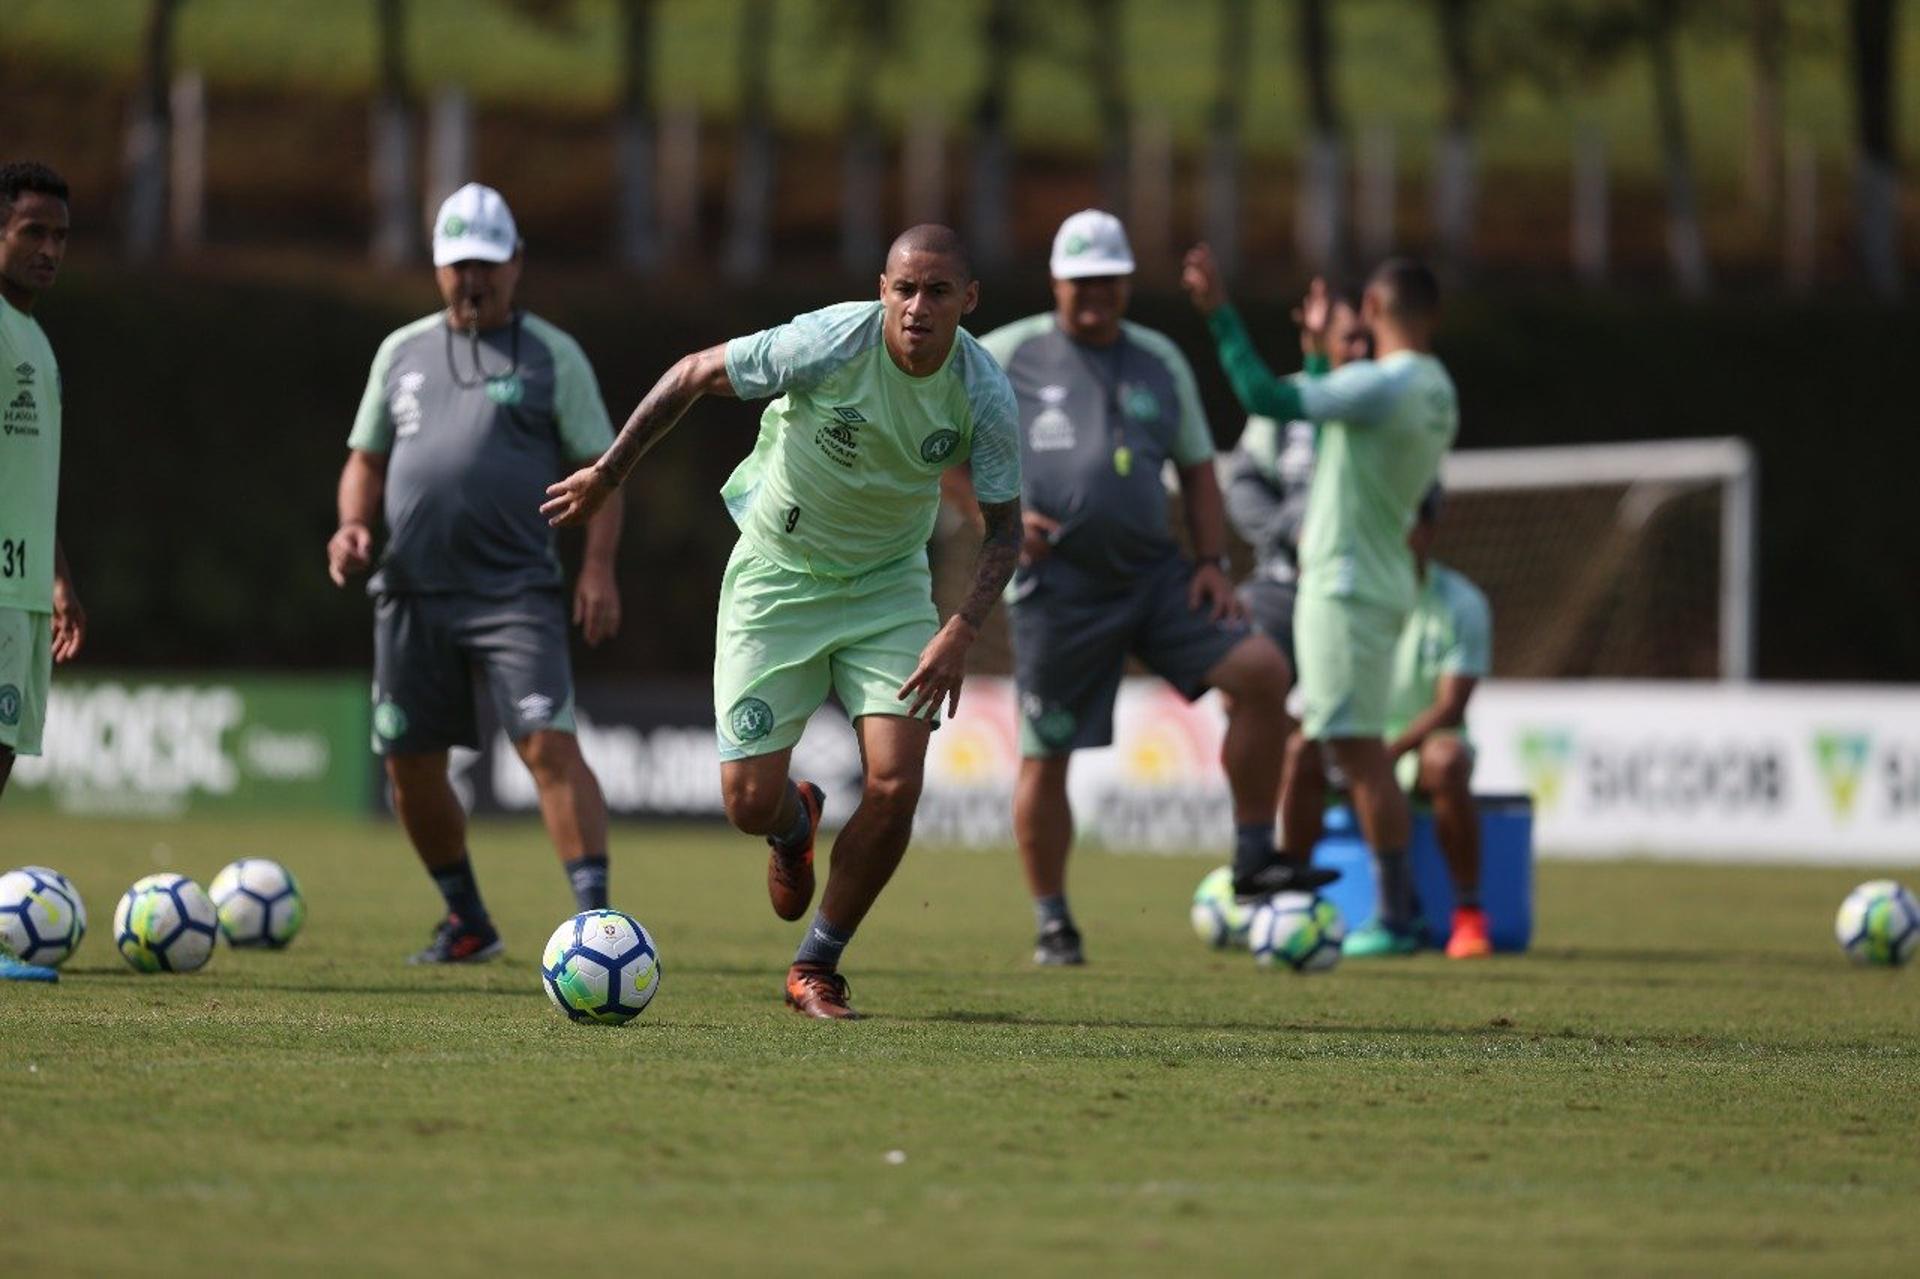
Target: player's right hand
[
  {"x": 1200, "y": 277},
  {"x": 575, "y": 499},
  {"x": 349, "y": 551},
  {"x": 1037, "y": 532}
]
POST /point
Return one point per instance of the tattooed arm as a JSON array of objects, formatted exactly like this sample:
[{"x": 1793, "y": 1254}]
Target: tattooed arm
[
  {"x": 575, "y": 499},
  {"x": 943, "y": 663}
]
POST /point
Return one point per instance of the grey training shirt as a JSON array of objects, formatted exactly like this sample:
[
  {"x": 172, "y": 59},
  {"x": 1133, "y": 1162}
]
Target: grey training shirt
[
  {"x": 472, "y": 450},
  {"x": 1096, "y": 426}
]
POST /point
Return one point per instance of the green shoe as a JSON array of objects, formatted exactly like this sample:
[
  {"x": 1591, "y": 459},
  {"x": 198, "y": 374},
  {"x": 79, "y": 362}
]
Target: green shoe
[
  {"x": 1374, "y": 939},
  {"x": 12, "y": 969}
]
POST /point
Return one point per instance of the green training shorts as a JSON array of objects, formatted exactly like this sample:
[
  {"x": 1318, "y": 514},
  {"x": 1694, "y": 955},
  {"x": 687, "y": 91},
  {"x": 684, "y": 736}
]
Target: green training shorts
[
  {"x": 784, "y": 639},
  {"x": 1345, "y": 648},
  {"x": 26, "y": 669}
]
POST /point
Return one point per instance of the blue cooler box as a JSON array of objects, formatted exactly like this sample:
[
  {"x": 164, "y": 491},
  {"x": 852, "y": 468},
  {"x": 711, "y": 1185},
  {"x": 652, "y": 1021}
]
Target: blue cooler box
[{"x": 1506, "y": 870}]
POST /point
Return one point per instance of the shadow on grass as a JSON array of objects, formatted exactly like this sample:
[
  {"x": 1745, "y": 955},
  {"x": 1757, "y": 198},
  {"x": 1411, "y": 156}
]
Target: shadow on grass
[{"x": 1511, "y": 1032}]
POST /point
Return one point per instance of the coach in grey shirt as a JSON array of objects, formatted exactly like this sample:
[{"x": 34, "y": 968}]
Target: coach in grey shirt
[
  {"x": 467, "y": 417},
  {"x": 1104, "y": 405}
]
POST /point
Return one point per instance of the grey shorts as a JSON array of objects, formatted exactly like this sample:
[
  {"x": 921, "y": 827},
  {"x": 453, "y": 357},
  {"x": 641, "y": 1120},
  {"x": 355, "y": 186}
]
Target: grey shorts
[
  {"x": 1072, "y": 636},
  {"x": 429, "y": 651},
  {"x": 1270, "y": 604}
]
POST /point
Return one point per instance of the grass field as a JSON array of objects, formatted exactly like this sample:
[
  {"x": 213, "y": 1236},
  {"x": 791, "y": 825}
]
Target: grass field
[{"x": 1684, "y": 1077}]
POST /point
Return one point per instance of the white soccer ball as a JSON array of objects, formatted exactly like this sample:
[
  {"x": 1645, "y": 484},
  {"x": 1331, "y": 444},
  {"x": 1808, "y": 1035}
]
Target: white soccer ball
[
  {"x": 259, "y": 903},
  {"x": 601, "y": 966},
  {"x": 1218, "y": 919},
  {"x": 42, "y": 919},
  {"x": 165, "y": 924},
  {"x": 1879, "y": 924},
  {"x": 1296, "y": 930}
]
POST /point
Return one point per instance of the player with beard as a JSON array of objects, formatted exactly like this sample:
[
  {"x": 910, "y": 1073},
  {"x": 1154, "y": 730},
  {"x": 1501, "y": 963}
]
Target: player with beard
[{"x": 41, "y": 620}]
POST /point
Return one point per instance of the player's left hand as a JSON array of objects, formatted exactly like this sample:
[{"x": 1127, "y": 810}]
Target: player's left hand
[
  {"x": 943, "y": 665},
  {"x": 574, "y": 500},
  {"x": 1210, "y": 589},
  {"x": 596, "y": 604},
  {"x": 69, "y": 620}
]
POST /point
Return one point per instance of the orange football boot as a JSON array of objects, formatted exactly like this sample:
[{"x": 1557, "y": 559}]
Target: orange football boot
[
  {"x": 819, "y": 992},
  {"x": 790, "y": 875},
  {"x": 1469, "y": 939}
]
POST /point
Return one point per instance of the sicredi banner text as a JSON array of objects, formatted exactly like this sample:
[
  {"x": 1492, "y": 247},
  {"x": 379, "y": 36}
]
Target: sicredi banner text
[
  {"x": 1800, "y": 773},
  {"x": 166, "y": 746}
]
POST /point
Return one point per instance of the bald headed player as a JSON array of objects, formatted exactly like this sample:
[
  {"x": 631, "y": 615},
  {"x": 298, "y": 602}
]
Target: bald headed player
[
  {"x": 828, "y": 587},
  {"x": 1385, "y": 423}
]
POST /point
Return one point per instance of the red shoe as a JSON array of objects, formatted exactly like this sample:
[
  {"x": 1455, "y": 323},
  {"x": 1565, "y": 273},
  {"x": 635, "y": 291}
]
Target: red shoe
[
  {"x": 819, "y": 992},
  {"x": 790, "y": 875},
  {"x": 1469, "y": 939}
]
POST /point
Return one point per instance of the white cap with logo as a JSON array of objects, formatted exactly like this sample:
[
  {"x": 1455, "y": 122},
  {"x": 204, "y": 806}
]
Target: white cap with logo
[
  {"x": 1091, "y": 242},
  {"x": 474, "y": 225}
]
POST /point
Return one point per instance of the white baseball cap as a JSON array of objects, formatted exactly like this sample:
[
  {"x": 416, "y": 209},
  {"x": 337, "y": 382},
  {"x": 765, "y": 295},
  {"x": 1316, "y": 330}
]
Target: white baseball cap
[
  {"x": 474, "y": 224},
  {"x": 1091, "y": 242}
]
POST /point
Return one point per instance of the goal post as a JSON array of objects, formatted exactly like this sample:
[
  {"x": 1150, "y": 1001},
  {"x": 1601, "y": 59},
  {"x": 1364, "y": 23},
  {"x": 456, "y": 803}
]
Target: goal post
[{"x": 1605, "y": 550}]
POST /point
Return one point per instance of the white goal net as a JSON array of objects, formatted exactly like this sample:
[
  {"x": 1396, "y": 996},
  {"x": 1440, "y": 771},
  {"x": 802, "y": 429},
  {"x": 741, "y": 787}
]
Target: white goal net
[{"x": 1611, "y": 560}]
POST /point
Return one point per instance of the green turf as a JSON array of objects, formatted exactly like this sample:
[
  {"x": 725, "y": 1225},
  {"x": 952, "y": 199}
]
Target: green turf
[{"x": 1684, "y": 1077}]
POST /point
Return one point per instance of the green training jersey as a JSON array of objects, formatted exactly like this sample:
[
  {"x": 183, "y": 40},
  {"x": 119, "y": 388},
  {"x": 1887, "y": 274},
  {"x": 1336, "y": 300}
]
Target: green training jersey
[
  {"x": 1385, "y": 425},
  {"x": 845, "y": 476},
  {"x": 29, "y": 461},
  {"x": 1449, "y": 632}
]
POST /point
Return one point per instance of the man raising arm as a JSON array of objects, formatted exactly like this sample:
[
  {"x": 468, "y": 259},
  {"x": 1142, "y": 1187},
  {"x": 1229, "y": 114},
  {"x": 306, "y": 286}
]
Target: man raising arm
[{"x": 1385, "y": 424}]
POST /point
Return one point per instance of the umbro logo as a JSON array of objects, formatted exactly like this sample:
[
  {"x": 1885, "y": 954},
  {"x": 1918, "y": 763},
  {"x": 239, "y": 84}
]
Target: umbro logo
[
  {"x": 848, "y": 414},
  {"x": 24, "y": 372}
]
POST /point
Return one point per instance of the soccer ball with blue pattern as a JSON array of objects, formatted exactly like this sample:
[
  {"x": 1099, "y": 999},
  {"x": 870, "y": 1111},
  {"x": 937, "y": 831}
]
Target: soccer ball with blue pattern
[
  {"x": 1879, "y": 924},
  {"x": 601, "y": 966},
  {"x": 259, "y": 903},
  {"x": 42, "y": 918},
  {"x": 1218, "y": 919},
  {"x": 1300, "y": 931},
  {"x": 165, "y": 924}
]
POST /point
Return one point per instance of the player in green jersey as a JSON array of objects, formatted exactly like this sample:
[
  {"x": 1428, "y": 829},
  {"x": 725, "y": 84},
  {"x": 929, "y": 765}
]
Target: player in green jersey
[
  {"x": 828, "y": 587},
  {"x": 1385, "y": 423},
  {"x": 41, "y": 621},
  {"x": 1442, "y": 654}
]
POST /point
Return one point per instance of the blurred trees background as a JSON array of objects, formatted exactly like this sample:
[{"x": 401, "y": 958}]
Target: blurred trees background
[{"x": 252, "y": 184}]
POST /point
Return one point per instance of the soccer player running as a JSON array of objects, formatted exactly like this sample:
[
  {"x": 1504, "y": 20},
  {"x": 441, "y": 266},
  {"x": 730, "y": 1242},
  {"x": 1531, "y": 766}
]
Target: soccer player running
[
  {"x": 468, "y": 415},
  {"x": 1104, "y": 404},
  {"x": 828, "y": 587},
  {"x": 1385, "y": 425},
  {"x": 1443, "y": 653},
  {"x": 41, "y": 620}
]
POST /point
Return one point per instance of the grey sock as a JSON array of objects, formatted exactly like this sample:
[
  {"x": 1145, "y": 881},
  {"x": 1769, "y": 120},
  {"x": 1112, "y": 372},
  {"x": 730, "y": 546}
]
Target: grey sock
[
  {"x": 1393, "y": 889},
  {"x": 1048, "y": 909},
  {"x": 1467, "y": 898},
  {"x": 1252, "y": 848},
  {"x": 823, "y": 943},
  {"x": 588, "y": 879},
  {"x": 795, "y": 836}
]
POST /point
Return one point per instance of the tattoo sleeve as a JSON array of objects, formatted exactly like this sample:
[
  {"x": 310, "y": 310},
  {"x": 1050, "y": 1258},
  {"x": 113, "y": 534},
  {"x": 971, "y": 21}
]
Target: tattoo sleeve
[
  {"x": 663, "y": 406},
  {"x": 999, "y": 552}
]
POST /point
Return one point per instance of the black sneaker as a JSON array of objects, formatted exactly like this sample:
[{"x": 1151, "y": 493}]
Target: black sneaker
[
  {"x": 456, "y": 942},
  {"x": 1281, "y": 876},
  {"x": 1058, "y": 944}
]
